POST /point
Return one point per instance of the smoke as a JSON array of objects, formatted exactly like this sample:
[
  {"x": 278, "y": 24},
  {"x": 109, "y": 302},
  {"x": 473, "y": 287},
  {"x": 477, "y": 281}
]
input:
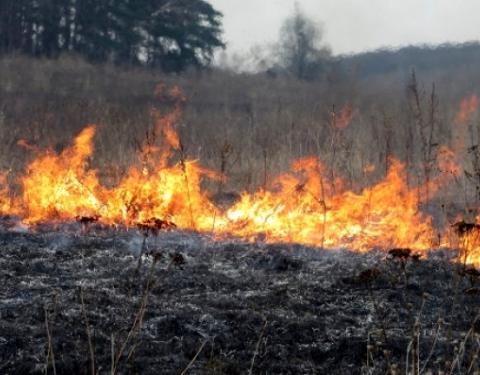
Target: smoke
[{"x": 352, "y": 26}]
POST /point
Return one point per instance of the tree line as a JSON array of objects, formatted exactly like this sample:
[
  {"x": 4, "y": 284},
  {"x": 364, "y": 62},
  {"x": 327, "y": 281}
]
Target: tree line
[{"x": 169, "y": 34}]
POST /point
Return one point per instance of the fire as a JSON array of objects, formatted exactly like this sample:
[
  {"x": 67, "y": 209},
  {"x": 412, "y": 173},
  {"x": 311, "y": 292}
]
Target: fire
[
  {"x": 165, "y": 187},
  {"x": 468, "y": 107},
  {"x": 169, "y": 193},
  {"x": 343, "y": 119},
  {"x": 61, "y": 186},
  {"x": 301, "y": 207},
  {"x": 302, "y": 210},
  {"x": 6, "y": 202},
  {"x": 463, "y": 121}
]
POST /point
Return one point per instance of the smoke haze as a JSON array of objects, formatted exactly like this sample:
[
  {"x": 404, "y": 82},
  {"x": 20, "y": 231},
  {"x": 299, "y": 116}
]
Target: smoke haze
[{"x": 352, "y": 25}]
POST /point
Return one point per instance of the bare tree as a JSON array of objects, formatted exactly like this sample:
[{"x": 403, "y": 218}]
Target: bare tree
[{"x": 301, "y": 50}]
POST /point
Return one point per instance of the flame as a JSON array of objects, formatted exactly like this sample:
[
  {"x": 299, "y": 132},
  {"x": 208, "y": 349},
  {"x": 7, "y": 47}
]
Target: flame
[
  {"x": 463, "y": 120},
  {"x": 169, "y": 193},
  {"x": 300, "y": 206},
  {"x": 344, "y": 118},
  {"x": 61, "y": 186},
  {"x": 468, "y": 107},
  {"x": 303, "y": 211},
  {"x": 447, "y": 162},
  {"x": 6, "y": 202}
]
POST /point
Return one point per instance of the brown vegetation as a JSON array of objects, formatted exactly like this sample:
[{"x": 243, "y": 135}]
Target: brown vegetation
[{"x": 264, "y": 121}]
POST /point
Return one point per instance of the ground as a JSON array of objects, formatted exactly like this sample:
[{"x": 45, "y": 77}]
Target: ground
[{"x": 183, "y": 301}]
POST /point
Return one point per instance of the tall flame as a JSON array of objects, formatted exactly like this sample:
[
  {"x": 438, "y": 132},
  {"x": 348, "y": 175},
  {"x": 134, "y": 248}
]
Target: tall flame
[{"x": 61, "y": 186}]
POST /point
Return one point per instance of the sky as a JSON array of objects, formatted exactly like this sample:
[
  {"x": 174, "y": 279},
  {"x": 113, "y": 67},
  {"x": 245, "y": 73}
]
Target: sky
[{"x": 353, "y": 25}]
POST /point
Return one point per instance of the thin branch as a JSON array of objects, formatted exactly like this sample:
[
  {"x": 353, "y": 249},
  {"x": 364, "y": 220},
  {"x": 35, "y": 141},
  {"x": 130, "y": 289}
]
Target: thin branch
[
  {"x": 50, "y": 354},
  {"x": 257, "y": 347},
  {"x": 89, "y": 334},
  {"x": 194, "y": 358}
]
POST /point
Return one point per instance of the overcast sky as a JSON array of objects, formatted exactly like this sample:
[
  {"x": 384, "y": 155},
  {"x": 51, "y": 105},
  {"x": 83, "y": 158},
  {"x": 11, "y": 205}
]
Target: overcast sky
[{"x": 354, "y": 25}]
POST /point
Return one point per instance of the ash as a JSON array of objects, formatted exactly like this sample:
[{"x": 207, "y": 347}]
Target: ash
[{"x": 181, "y": 301}]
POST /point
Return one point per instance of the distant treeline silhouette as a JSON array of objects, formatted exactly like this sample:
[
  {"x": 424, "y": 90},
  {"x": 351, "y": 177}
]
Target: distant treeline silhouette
[
  {"x": 172, "y": 35},
  {"x": 422, "y": 58}
]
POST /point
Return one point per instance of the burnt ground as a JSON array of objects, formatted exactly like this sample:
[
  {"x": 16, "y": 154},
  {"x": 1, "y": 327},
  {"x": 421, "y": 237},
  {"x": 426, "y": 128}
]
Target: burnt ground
[{"x": 227, "y": 307}]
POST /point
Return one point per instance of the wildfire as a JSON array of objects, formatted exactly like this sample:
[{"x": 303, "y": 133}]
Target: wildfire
[
  {"x": 468, "y": 107},
  {"x": 62, "y": 186},
  {"x": 300, "y": 206},
  {"x": 302, "y": 210},
  {"x": 343, "y": 119}
]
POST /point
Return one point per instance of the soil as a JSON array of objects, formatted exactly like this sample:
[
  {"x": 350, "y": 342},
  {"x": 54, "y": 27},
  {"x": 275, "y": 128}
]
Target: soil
[{"x": 180, "y": 301}]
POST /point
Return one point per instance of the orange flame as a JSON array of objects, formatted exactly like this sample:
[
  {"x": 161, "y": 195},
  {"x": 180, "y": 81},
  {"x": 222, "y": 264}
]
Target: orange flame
[
  {"x": 383, "y": 216},
  {"x": 61, "y": 186},
  {"x": 7, "y": 204},
  {"x": 344, "y": 118},
  {"x": 300, "y": 206},
  {"x": 468, "y": 107}
]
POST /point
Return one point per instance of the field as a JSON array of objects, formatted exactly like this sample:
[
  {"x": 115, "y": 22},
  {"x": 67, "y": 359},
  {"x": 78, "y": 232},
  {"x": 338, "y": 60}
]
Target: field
[
  {"x": 71, "y": 302},
  {"x": 251, "y": 127},
  {"x": 221, "y": 222}
]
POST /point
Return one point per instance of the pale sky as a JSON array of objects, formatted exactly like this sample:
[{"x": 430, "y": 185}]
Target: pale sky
[{"x": 353, "y": 25}]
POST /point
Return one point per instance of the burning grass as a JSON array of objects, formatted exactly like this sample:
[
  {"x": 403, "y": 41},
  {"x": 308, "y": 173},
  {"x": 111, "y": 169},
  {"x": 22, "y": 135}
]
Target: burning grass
[
  {"x": 164, "y": 191},
  {"x": 115, "y": 269},
  {"x": 388, "y": 316},
  {"x": 300, "y": 208}
]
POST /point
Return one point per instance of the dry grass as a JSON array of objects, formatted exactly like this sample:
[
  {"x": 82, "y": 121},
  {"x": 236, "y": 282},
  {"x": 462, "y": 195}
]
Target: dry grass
[
  {"x": 249, "y": 127},
  {"x": 265, "y": 122}
]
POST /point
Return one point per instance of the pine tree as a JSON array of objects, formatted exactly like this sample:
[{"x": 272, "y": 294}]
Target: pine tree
[
  {"x": 182, "y": 33},
  {"x": 171, "y": 34}
]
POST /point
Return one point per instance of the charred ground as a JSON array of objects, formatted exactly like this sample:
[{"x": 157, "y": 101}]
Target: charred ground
[{"x": 227, "y": 307}]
